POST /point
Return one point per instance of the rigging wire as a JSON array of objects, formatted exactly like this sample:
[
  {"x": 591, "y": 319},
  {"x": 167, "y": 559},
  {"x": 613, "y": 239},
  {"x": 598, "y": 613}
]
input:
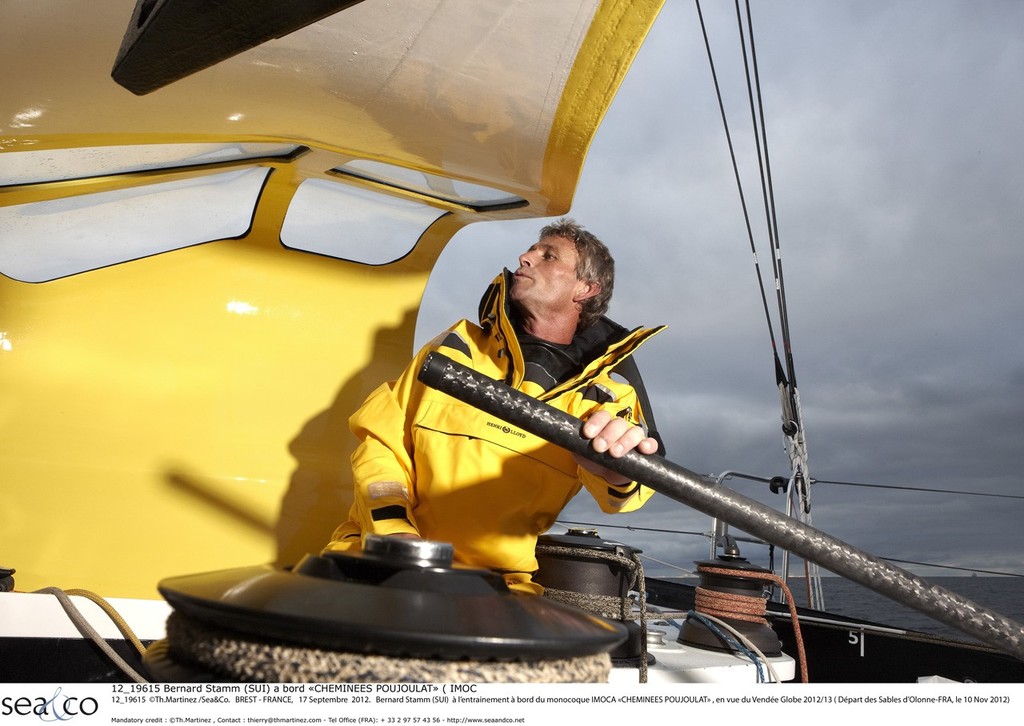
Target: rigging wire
[
  {"x": 767, "y": 185},
  {"x": 918, "y": 489},
  {"x": 750, "y": 540},
  {"x": 760, "y": 138},
  {"x": 785, "y": 377},
  {"x": 793, "y": 426},
  {"x": 739, "y": 183},
  {"x": 954, "y": 567},
  {"x": 632, "y": 528}
]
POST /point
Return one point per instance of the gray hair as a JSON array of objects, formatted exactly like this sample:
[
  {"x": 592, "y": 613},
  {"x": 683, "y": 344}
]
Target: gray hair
[{"x": 594, "y": 264}]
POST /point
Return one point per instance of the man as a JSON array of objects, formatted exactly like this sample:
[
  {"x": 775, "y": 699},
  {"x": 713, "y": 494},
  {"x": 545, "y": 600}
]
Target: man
[{"x": 433, "y": 467}]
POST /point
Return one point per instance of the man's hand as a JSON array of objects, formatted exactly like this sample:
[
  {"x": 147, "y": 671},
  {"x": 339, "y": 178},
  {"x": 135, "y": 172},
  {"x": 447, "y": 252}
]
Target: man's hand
[{"x": 617, "y": 437}]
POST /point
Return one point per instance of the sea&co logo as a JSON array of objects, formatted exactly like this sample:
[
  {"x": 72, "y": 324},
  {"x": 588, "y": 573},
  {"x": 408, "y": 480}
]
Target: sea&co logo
[{"x": 56, "y": 707}]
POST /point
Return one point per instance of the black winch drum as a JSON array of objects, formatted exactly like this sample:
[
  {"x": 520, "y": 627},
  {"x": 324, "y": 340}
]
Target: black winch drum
[{"x": 580, "y": 567}]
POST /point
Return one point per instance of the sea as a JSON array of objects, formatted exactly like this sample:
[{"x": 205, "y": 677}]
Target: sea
[{"x": 1003, "y": 595}]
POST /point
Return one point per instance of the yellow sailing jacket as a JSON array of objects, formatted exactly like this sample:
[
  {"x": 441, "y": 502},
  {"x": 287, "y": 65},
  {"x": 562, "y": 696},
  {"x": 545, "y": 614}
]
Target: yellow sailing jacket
[{"x": 431, "y": 465}]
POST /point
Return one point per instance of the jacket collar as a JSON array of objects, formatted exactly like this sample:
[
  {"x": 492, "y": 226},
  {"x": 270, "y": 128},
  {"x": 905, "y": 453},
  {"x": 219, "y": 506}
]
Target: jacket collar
[{"x": 603, "y": 344}]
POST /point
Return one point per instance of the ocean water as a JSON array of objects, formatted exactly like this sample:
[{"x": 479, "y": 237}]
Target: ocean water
[{"x": 1004, "y": 595}]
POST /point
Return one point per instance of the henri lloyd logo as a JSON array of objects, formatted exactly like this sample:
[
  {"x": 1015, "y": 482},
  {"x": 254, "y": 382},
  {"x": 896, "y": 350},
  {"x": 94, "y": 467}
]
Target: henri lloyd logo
[
  {"x": 58, "y": 707},
  {"x": 506, "y": 429}
]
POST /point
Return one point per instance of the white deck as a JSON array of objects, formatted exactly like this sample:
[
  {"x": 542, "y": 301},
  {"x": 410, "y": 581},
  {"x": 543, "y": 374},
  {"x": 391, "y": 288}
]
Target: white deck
[
  {"x": 32, "y": 615},
  {"x": 25, "y": 615},
  {"x": 678, "y": 663}
]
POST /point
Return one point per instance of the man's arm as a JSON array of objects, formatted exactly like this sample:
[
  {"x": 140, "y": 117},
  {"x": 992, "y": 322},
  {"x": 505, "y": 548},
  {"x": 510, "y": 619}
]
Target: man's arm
[{"x": 382, "y": 465}]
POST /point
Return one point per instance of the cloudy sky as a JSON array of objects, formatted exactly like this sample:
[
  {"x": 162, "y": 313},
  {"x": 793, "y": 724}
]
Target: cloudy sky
[{"x": 894, "y": 129}]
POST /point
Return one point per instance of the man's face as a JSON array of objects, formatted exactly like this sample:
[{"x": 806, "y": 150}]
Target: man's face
[{"x": 545, "y": 282}]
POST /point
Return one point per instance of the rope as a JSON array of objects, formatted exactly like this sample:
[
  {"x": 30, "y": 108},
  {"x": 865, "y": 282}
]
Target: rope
[
  {"x": 749, "y": 608},
  {"x": 243, "y": 657},
  {"x": 91, "y": 633},
  {"x": 114, "y": 616},
  {"x": 612, "y": 607},
  {"x": 235, "y": 655},
  {"x": 729, "y": 605},
  {"x": 742, "y": 643}
]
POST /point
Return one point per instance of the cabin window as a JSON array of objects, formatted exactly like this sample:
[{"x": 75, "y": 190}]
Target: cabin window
[
  {"x": 60, "y": 237},
  {"x": 47, "y": 165},
  {"x": 353, "y": 224},
  {"x": 474, "y": 196}
]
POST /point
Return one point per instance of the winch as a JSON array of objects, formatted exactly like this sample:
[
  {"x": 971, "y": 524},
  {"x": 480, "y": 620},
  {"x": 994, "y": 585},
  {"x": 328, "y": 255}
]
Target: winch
[
  {"x": 397, "y": 610},
  {"x": 582, "y": 569},
  {"x": 733, "y": 590}
]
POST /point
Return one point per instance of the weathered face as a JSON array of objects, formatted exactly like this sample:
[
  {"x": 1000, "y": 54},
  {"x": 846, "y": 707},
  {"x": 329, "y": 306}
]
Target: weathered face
[{"x": 545, "y": 284}]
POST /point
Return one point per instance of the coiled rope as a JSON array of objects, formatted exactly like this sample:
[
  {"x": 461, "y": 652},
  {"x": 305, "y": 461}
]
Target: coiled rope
[
  {"x": 748, "y": 608},
  {"x": 204, "y": 648}
]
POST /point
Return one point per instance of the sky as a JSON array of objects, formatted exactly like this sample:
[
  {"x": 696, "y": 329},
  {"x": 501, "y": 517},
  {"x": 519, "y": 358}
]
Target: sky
[{"x": 894, "y": 134}]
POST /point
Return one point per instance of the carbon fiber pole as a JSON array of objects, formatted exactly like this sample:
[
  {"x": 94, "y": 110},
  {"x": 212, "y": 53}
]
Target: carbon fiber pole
[{"x": 701, "y": 493}]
